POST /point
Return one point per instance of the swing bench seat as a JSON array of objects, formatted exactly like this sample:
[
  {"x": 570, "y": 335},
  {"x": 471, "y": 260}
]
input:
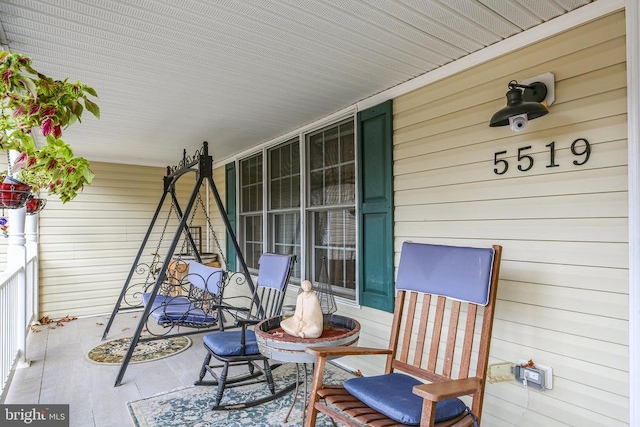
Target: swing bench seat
[
  {"x": 168, "y": 310},
  {"x": 199, "y": 308}
]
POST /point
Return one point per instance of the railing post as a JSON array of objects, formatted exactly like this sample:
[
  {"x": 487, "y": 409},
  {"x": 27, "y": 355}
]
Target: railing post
[{"x": 33, "y": 259}]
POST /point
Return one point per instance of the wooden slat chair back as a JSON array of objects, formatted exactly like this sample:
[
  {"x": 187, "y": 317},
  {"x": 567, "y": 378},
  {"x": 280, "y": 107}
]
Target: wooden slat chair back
[{"x": 440, "y": 335}]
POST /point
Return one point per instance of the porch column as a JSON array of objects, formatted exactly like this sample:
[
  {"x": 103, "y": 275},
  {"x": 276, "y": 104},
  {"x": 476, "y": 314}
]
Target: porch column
[
  {"x": 16, "y": 258},
  {"x": 33, "y": 287}
]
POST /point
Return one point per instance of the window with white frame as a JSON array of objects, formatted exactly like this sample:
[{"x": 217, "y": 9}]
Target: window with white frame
[
  {"x": 311, "y": 210},
  {"x": 284, "y": 201},
  {"x": 251, "y": 206},
  {"x": 327, "y": 201},
  {"x": 331, "y": 211}
]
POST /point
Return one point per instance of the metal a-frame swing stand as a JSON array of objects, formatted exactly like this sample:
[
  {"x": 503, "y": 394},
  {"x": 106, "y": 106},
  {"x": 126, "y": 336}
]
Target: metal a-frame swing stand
[{"x": 202, "y": 165}]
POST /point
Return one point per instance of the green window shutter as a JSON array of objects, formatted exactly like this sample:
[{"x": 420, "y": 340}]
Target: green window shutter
[
  {"x": 230, "y": 203},
  {"x": 375, "y": 201}
]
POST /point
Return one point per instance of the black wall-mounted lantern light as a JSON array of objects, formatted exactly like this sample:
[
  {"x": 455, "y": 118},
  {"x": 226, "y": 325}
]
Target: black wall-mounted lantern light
[{"x": 524, "y": 103}]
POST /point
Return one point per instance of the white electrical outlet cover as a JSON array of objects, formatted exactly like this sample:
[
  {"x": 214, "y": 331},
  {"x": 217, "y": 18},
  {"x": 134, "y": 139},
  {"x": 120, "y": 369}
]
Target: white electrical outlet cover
[{"x": 548, "y": 371}]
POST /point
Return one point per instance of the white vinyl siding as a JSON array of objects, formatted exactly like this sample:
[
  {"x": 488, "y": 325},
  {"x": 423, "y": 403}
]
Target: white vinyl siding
[
  {"x": 87, "y": 246},
  {"x": 563, "y": 293}
]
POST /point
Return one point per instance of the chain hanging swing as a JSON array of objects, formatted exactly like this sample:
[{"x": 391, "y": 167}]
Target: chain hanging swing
[{"x": 164, "y": 283}]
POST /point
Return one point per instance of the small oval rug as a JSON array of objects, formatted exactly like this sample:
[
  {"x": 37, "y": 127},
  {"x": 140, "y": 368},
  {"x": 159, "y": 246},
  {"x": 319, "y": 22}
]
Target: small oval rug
[{"x": 113, "y": 352}]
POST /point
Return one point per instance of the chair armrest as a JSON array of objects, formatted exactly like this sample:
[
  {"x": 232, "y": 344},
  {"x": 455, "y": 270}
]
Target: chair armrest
[
  {"x": 247, "y": 322},
  {"x": 345, "y": 351},
  {"x": 437, "y": 392}
]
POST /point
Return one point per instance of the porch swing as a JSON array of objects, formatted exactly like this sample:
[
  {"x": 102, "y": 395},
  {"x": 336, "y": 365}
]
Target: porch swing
[{"x": 179, "y": 293}]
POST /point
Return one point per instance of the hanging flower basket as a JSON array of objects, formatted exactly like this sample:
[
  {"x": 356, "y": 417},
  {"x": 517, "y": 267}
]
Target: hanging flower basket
[
  {"x": 35, "y": 205},
  {"x": 14, "y": 196}
]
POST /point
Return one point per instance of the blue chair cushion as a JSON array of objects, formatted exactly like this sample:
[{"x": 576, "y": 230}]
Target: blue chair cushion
[
  {"x": 227, "y": 343},
  {"x": 461, "y": 273},
  {"x": 167, "y": 309},
  {"x": 392, "y": 395}
]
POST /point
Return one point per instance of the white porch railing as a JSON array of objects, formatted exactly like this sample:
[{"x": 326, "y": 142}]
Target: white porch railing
[
  {"x": 18, "y": 309},
  {"x": 18, "y": 294},
  {"x": 10, "y": 322}
]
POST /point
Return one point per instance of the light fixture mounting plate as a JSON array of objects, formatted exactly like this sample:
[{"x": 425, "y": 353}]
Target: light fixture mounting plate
[{"x": 549, "y": 80}]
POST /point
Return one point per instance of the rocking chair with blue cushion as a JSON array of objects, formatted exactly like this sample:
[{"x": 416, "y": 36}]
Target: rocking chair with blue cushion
[
  {"x": 441, "y": 292},
  {"x": 237, "y": 347}
]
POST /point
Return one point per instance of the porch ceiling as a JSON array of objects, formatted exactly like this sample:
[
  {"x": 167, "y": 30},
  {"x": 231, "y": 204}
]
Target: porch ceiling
[{"x": 173, "y": 73}]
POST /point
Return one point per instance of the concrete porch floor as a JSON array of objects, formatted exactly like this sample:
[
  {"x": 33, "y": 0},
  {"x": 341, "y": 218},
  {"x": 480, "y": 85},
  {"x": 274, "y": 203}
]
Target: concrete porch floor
[{"x": 60, "y": 373}]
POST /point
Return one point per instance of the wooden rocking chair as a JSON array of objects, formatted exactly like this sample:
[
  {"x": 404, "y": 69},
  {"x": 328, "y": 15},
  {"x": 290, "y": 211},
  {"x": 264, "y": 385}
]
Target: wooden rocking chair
[{"x": 437, "y": 347}]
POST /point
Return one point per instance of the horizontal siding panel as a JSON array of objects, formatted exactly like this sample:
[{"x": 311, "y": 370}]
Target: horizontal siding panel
[
  {"x": 594, "y": 254},
  {"x": 586, "y": 301},
  {"x": 571, "y": 346},
  {"x": 593, "y": 205},
  {"x": 585, "y": 275},
  {"x": 471, "y": 119},
  {"x": 576, "y": 230},
  {"x": 602, "y": 328},
  {"x": 482, "y": 166},
  {"x": 568, "y": 369},
  {"x": 607, "y": 139},
  {"x": 598, "y": 129},
  {"x": 613, "y": 179},
  {"x": 593, "y": 58},
  {"x": 570, "y": 88},
  {"x": 543, "y": 409}
]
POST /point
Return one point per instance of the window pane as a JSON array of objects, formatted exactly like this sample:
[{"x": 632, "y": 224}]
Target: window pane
[
  {"x": 274, "y": 159},
  {"x": 286, "y": 236},
  {"x": 333, "y": 237},
  {"x": 348, "y": 184},
  {"x": 288, "y": 167},
  {"x": 317, "y": 188},
  {"x": 332, "y": 186},
  {"x": 346, "y": 143},
  {"x": 246, "y": 199},
  {"x": 338, "y": 166},
  {"x": 259, "y": 196},
  {"x": 315, "y": 152},
  {"x": 276, "y": 194},
  {"x": 285, "y": 185},
  {"x": 251, "y": 184},
  {"x": 295, "y": 191},
  {"x": 295, "y": 157},
  {"x": 285, "y": 155},
  {"x": 252, "y": 245},
  {"x": 331, "y": 145}
]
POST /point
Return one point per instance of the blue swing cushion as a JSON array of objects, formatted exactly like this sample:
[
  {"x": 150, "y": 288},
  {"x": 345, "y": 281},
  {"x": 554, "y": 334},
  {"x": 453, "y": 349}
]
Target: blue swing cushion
[
  {"x": 167, "y": 309},
  {"x": 227, "y": 343},
  {"x": 392, "y": 396}
]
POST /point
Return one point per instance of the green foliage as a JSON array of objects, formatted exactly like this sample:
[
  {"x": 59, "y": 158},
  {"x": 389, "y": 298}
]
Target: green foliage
[{"x": 30, "y": 99}]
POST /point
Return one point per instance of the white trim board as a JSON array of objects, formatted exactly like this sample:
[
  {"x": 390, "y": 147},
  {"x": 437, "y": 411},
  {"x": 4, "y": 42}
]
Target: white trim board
[{"x": 633, "y": 158}]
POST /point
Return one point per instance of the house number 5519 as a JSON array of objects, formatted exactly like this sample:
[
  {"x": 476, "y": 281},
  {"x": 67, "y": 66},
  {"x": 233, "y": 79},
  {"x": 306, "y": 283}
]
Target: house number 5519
[{"x": 580, "y": 148}]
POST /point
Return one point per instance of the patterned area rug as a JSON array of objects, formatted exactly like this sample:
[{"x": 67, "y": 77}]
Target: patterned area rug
[
  {"x": 113, "y": 352},
  {"x": 191, "y": 406}
]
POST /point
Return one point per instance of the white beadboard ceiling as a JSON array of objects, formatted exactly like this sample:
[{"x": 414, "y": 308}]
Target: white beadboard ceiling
[{"x": 173, "y": 73}]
